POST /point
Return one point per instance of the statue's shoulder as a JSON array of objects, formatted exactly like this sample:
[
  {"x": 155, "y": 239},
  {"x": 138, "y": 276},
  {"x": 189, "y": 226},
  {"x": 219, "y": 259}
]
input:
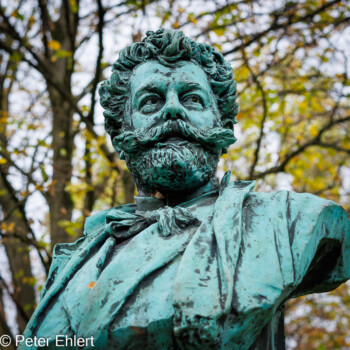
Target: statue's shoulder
[
  {"x": 297, "y": 209},
  {"x": 311, "y": 236},
  {"x": 291, "y": 201},
  {"x": 300, "y": 209},
  {"x": 64, "y": 253},
  {"x": 92, "y": 227},
  {"x": 95, "y": 224}
]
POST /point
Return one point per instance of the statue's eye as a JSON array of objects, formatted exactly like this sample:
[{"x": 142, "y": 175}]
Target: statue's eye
[
  {"x": 151, "y": 101},
  {"x": 151, "y": 104},
  {"x": 193, "y": 101}
]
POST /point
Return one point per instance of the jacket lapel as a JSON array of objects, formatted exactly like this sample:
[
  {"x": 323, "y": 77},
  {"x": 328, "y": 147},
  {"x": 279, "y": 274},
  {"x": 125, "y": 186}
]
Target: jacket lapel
[
  {"x": 145, "y": 253},
  {"x": 204, "y": 284}
]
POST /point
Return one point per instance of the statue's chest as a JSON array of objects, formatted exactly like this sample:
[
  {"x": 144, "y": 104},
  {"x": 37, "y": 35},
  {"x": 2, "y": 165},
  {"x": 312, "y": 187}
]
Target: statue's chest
[
  {"x": 147, "y": 314},
  {"x": 146, "y": 281}
]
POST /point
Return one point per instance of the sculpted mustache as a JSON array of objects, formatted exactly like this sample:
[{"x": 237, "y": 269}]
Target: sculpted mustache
[{"x": 214, "y": 139}]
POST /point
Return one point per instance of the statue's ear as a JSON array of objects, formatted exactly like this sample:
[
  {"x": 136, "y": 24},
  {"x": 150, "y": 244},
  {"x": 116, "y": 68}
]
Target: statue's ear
[
  {"x": 228, "y": 124},
  {"x": 121, "y": 155},
  {"x": 127, "y": 115}
]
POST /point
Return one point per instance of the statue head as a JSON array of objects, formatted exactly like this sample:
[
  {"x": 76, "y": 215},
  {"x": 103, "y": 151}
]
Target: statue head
[{"x": 170, "y": 106}]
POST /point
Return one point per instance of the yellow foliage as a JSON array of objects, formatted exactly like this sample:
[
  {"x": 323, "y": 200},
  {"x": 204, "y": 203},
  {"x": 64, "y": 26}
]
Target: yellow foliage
[
  {"x": 298, "y": 172},
  {"x": 8, "y": 227},
  {"x": 54, "y": 45},
  {"x": 39, "y": 187},
  {"x": 192, "y": 18},
  {"x": 29, "y": 280},
  {"x": 219, "y": 31},
  {"x": 313, "y": 130}
]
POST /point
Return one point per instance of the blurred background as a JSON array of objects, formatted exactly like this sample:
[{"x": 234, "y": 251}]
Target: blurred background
[{"x": 291, "y": 62}]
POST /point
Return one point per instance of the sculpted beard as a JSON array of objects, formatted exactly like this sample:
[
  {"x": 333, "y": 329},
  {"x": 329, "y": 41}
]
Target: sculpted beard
[
  {"x": 173, "y": 167},
  {"x": 185, "y": 160}
]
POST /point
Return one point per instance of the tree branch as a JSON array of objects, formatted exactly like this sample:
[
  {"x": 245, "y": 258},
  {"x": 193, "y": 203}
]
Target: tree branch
[
  {"x": 316, "y": 141},
  {"x": 264, "y": 115},
  {"x": 12, "y": 192},
  {"x": 45, "y": 26},
  {"x": 15, "y": 300},
  {"x": 98, "y": 69},
  {"x": 275, "y": 25}
]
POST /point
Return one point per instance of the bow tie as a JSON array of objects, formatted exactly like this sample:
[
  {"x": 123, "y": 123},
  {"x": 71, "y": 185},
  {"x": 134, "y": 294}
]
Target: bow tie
[{"x": 123, "y": 225}]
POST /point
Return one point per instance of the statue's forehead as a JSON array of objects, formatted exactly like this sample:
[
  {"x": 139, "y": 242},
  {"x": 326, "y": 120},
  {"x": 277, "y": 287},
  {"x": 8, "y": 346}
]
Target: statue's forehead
[{"x": 155, "y": 72}]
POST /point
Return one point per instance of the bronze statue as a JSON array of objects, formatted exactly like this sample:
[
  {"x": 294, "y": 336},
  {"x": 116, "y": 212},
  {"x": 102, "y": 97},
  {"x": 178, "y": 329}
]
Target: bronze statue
[{"x": 194, "y": 264}]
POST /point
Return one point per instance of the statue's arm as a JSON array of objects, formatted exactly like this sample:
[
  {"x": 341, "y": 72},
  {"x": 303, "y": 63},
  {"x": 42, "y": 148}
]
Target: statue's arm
[
  {"x": 321, "y": 244},
  {"x": 62, "y": 253}
]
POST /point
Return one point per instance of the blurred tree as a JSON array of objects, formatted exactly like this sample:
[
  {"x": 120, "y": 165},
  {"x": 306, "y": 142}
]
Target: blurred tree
[{"x": 290, "y": 59}]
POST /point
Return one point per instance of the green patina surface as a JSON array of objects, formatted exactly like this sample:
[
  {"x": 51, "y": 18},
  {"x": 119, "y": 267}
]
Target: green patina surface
[{"x": 207, "y": 266}]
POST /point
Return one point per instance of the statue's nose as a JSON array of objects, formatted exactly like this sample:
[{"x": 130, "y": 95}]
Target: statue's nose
[{"x": 173, "y": 108}]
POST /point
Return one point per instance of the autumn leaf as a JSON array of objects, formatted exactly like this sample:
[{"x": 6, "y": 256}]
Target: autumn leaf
[
  {"x": 91, "y": 285},
  {"x": 54, "y": 45}
]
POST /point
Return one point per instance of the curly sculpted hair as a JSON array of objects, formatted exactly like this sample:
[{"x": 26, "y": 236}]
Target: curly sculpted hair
[{"x": 168, "y": 47}]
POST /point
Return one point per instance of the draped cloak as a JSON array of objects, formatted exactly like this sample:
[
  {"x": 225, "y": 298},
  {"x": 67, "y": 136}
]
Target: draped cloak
[{"x": 218, "y": 284}]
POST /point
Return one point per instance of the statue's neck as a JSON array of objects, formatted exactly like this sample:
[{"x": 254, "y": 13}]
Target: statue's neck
[{"x": 173, "y": 198}]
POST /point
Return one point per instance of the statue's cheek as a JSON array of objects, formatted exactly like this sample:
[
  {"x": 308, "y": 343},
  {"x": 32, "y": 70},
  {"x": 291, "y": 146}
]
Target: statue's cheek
[
  {"x": 140, "y": 120},
  {"x": 203, "y": 119}
]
